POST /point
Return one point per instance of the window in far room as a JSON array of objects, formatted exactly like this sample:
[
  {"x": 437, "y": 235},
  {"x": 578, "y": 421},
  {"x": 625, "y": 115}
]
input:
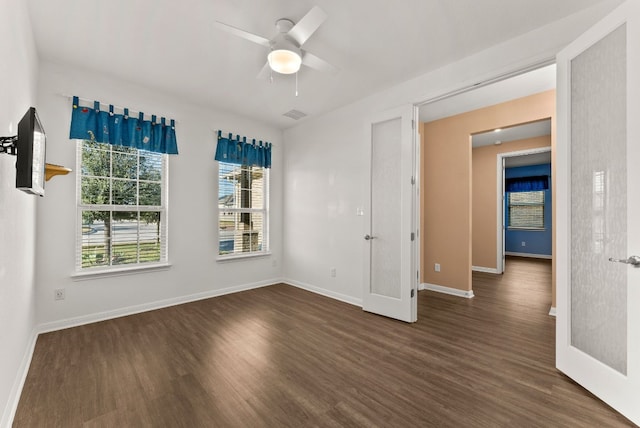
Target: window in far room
[
  {"x": 243, "y": 209},
  {"x": 526, "y": 210}
]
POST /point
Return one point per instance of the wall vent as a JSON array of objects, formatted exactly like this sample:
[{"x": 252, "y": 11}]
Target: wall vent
[{"x": 295, "y": 114}]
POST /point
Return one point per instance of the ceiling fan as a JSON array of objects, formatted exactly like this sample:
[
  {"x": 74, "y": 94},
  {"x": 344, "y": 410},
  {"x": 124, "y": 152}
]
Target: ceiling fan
[{"x": 286, "y": 54}]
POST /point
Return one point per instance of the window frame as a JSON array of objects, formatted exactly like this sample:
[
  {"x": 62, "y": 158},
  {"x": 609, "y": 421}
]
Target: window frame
[
  {"x": 163, "y": 208},
  {"x": 265, "y": 211},
  {"x": 527, "y": 204}
]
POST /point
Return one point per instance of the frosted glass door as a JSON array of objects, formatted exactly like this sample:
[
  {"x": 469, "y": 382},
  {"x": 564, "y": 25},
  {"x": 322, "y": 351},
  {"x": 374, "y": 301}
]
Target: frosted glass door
[
  {"x": 386, "y": 250},
  {"x": 389, "y": 248},
  {"x": 598, "y": 207},
  {"x": 599, "y": 200}
]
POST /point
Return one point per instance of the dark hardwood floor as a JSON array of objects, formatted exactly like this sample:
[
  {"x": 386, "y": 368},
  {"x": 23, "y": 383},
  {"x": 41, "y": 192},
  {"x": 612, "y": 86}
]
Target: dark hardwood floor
[{"x": 280, "y": 356}]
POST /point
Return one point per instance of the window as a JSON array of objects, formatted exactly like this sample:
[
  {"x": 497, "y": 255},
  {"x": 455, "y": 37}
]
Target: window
[
  {"x": 526, "y": 210},
  {"x": 121, "y": 207},
  {"x": 243, "y": 195}
]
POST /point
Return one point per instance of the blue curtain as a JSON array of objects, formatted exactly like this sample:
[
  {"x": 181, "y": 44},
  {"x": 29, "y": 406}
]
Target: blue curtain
[
  {"x": 122, "y": 130},
  {"x": 527, "y": 184},
  {"x": 239, "y": 152}
]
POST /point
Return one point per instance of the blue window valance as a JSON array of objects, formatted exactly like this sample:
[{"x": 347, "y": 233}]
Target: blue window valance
[
  {"x": 122, "y": 130},
  {"x": 238, "y": 151},
  {"x": 527, "y": 184}
]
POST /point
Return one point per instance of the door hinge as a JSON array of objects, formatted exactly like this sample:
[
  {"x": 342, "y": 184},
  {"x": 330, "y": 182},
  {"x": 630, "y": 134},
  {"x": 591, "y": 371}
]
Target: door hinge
[
  {"x": 413, "y": 236},
  {"x": 413, "y": 292},
  {"x": 413, "y": 180},
  {"x": 413, "y": 124}
]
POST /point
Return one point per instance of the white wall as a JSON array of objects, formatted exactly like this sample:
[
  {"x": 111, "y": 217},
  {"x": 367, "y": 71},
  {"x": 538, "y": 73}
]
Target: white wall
[
  {"x": 18, "y": 72},
  {"x": 192, "y": 206},
  {"x": 325, "y": 178}
]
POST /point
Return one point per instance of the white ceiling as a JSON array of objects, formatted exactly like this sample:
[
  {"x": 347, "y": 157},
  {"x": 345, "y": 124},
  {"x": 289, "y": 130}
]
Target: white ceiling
[
  {"x": 533, "y": 82},
  {"x": 525, "y": 160},
  {"x": 172, "y": 45},
  {"x": 513, "y": 133}
]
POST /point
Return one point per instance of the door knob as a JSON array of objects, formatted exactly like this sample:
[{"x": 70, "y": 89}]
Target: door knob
[
  {"x": 368, "y": 237},
  {"x": 633, "y": 260}
]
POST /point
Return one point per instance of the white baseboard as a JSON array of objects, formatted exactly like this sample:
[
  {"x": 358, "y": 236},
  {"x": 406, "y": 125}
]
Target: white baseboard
[
  {"x": 323, "y": 292},
  {"x": 447, "y": 290},
  {"x": 16, "y": 391},
  {"x": 552, "y": 311},
  {"x": 531, "y": 256},
  {"x": 145, "y": 307},
  {"x": 484, "y": 269}
]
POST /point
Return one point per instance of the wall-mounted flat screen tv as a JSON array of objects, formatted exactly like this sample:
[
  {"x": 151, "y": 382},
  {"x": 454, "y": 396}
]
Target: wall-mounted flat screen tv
[{"x": 31, "y": 151}]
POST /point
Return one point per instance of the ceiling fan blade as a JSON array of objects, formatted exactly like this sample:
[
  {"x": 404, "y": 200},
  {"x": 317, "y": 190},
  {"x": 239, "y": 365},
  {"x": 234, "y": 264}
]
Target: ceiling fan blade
[
  {"x": 244, "y": 34},
  {"x": 307, "y": 25},
  {"x": 312, "y": 61},
  {"x": 265, "y": 72}
]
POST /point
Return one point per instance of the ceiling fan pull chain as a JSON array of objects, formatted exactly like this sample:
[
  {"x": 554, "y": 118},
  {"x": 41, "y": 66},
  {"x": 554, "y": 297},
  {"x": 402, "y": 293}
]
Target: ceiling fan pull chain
[{"x": 296, "y": 83}]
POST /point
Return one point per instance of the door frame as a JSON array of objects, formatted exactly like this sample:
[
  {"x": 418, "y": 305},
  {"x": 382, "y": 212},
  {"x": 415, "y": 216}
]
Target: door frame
[
  {"x": 506, "y": 73},
  {"x": 501, "y": 228}
]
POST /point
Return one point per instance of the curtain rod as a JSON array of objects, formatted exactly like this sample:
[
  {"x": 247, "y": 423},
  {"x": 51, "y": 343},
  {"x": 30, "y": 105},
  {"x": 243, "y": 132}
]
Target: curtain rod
[
  {"x": 132, "y": 112},
  {"x": 225, "y": 134}
]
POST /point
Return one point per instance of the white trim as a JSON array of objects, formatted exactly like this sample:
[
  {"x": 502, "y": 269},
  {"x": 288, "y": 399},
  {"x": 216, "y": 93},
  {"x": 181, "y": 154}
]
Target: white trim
[
  {"x": 145, "y": 307},
  {"x": 163, "y": 209},
  {"x": 415, "y": 211},
  {"x": 16, "y": 391},
  {"x": 529, "y": 255},
  {"x": 500, "y": 215},
  {"x": 323, "y": 292},
  {"x": 485, "y": 269},
  {"x": 241, "y": 256},
  {"x": 552, "y": 311},
  {"x": 96, "y": 273},
  {"x": 264, "y": 211},
  {"x": 467, "y": 294},
  {"x": 507, "y": 72}
]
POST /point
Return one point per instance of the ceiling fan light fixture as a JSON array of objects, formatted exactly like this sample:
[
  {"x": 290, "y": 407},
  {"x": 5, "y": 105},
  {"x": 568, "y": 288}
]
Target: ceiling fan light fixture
[{"x": 284, "y": 61}]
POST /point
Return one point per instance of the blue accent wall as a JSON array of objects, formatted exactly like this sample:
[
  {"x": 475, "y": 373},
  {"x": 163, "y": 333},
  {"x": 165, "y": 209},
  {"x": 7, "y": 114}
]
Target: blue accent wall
[{"x": 537, "y": 242}]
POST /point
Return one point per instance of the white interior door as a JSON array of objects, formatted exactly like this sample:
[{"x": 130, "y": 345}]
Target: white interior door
[
  {"x": 598, "y": 207},
  {"x": 390, "y": 236}
]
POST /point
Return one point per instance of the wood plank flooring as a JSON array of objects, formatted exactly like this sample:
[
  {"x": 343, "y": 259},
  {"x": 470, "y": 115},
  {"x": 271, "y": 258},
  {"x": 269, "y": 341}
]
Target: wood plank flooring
[{"x": 279, "y": 357}]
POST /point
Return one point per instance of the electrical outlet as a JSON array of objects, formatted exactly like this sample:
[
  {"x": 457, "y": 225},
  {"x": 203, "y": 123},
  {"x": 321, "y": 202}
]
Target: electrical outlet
[
  {"x": 59, "y": 294},
  {"x": 437, "y": 267},
  {"x": 524, "y": 244},
  {"x": 332, "y": 272}
]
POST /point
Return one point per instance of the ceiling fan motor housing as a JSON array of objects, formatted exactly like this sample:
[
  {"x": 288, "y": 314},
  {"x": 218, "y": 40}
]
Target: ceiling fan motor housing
[{"x": 285, "y": 56}]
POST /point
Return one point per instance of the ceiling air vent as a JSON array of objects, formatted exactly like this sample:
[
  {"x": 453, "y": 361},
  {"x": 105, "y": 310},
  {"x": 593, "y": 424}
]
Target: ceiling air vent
[{"x": 295, "y": 114}]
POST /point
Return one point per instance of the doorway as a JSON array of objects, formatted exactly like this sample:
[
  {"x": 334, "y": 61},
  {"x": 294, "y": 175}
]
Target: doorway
[
  {"x": 447, "y": 127},
  {"x": 511, "y": 172}
]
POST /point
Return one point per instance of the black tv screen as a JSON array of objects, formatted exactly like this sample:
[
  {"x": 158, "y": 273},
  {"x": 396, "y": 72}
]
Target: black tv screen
[{"x": 31, "y": 151}]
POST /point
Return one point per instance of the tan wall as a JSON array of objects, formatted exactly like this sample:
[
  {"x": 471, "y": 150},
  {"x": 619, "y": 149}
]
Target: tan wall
[
  {"x": 484, "y": 188},
  {"x": 445, "y": 202}
]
